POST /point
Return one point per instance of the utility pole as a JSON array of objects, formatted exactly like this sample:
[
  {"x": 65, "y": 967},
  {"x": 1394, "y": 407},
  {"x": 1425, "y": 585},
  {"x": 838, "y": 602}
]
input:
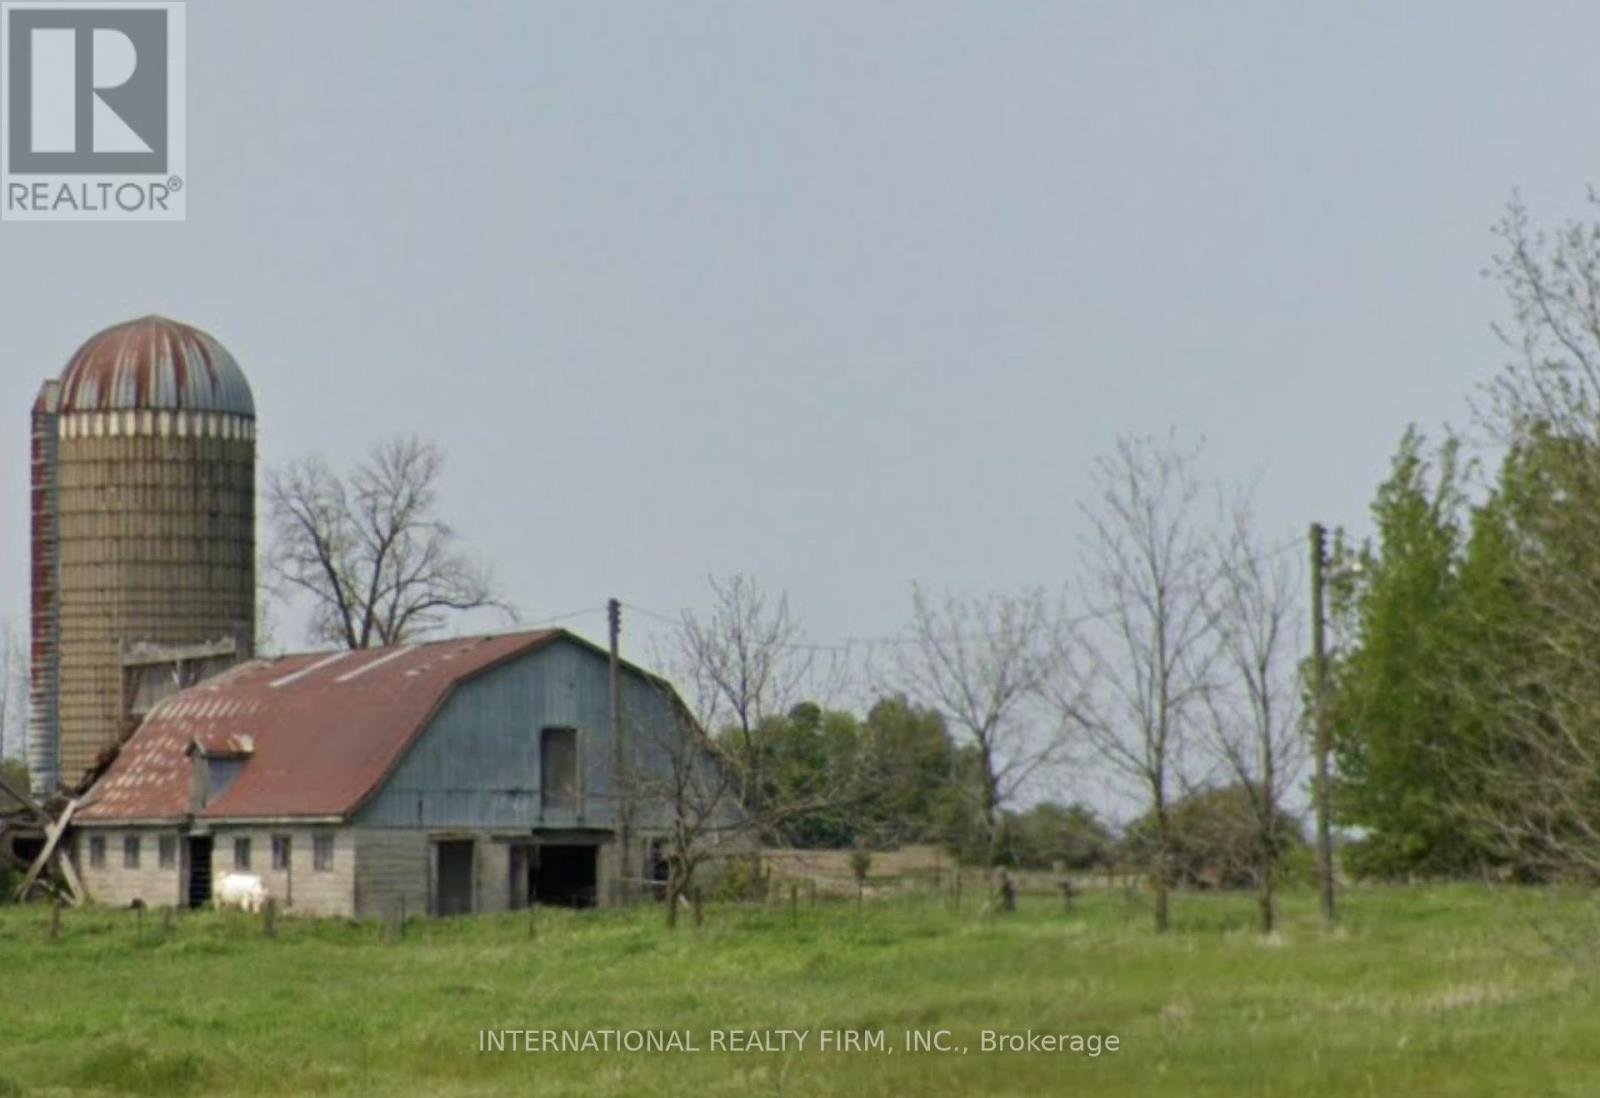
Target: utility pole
[
  {"x": 621, "y": 780},
  {"x": 1319, "y": 701}
]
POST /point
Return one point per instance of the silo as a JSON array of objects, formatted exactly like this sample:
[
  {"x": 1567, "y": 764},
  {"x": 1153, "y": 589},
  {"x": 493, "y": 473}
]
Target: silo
[{"x": 143, "y": 526}]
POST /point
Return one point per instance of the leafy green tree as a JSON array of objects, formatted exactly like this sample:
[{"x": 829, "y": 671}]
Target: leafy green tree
[
  {"x": 1051, "y": 834},
  {"x": 1215, "y": 839},
  {"x": 806, "y": 774},
  {"x": 15, "y": 771},
  {"x": 1526, "y": 783},
  {"x": 1393, "y": 707},
  {"x": 907, "y": 774}
]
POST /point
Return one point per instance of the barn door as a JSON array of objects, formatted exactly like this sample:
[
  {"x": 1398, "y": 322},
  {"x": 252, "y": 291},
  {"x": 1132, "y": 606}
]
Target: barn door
[
  {"x": 455, "y": 878},
  {"x": 199, "y": 854}
]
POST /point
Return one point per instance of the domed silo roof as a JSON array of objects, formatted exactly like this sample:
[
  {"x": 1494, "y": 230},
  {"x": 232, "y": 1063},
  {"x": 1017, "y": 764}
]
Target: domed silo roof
[{"x": 157, "y": 364}]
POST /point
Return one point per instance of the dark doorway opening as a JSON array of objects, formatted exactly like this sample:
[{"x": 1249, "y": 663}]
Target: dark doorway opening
[
  {"x": 656, "y": 867},
  {"x": 455, "y": 878},
  {"x": 564, "y": 876},
  {"x": 199, "y": 870},
  {"x": 26, "y": 849}
]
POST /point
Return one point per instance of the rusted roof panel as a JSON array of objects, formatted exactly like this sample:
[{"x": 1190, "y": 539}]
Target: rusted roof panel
[
  {"x": 158, "y": 364},
  {"x": 323, "y": 728}
]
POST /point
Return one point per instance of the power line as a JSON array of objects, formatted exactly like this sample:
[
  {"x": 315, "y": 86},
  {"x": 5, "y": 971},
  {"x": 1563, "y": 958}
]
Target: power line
[
  {"x": 854, "y": 643},
  {"x": 568, "y": 616}
]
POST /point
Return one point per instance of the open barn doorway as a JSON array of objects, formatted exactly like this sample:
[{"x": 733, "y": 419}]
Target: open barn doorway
[
  {"x": 199, "y": 854},
  {"x": 454, "y": 880},
  {"x": 564, "y": 875}
]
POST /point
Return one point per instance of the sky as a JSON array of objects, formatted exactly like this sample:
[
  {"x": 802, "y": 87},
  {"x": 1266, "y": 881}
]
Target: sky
[{"x": 839, "y": 295}]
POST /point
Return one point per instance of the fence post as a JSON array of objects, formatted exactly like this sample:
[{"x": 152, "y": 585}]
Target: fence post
[
  {"x": 698, "y": 899},
  {"x": 794, "y": 904},
  {"x": 269, "y": 917}
]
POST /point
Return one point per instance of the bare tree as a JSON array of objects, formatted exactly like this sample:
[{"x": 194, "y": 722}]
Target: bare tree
[
  {"x": 1133, "y": 673},
  {"x": 744, "y": 663},
  {"x": 1254, "y": 703},
  {"x": 686, "y": 789},
  {"x": 13, "y": 705},
  {"x": 369, "y": 549},
  {"x": 1552, "y": 283},
  {"x": 13, "y": 692},
  {"x": 983, "y": 663},
  {"x": 689, "y": 788}
]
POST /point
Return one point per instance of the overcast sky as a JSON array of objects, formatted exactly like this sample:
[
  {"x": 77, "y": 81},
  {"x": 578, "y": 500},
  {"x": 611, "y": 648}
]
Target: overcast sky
[{"x": 843, "y": 295}]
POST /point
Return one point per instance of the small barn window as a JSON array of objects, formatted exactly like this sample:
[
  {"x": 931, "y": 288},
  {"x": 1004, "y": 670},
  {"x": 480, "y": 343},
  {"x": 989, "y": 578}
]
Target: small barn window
[
  {"x": 167, "y": 851},
  {"x": 130, "y": 852},
  {"x": 280, "y": 852},
  {"x": 241, "y": 853},
  {"x": 558, "y": 768},
  {"x": 322, "y": 853},
  {"x": 97, "y": 851}
]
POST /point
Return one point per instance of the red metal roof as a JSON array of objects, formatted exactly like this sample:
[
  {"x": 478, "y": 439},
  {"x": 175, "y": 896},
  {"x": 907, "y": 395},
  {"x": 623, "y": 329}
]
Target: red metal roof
[
  {"x": 323, "y": 729},
  {"x": 154, "y": 363}
]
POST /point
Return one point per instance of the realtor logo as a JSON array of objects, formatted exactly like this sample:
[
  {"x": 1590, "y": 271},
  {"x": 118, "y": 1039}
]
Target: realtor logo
[{"x": 92, "y": 111}]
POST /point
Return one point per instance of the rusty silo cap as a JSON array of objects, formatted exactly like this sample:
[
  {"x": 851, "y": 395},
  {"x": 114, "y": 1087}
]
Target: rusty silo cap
[{"x": 155, "y": 363}]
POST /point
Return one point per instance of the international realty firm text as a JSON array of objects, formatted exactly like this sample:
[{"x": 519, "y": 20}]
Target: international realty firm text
[{"x": 791, "y": 1040}]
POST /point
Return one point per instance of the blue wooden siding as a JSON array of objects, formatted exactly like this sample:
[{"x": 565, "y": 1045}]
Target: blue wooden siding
[{"x": 477, "y": 763}]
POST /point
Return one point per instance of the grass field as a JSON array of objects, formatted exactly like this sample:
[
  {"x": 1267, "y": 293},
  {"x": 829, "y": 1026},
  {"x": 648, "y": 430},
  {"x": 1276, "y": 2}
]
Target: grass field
[{"x": 1457, "y": 990}]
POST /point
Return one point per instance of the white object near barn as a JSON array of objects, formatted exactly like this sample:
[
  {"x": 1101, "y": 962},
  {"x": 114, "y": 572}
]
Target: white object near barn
[{"x": 242, "y": 890}]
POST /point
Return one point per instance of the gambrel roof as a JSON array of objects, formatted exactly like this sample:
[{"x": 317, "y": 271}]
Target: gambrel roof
[{"x": 321, "y": 730}]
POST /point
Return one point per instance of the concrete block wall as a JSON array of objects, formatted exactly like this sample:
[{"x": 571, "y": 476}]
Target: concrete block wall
[
  {"x": 301, "y": 888},
  {"x": 113, "y": 883}
]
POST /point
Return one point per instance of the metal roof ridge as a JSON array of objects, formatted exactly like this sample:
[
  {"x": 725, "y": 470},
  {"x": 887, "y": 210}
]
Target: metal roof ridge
[{"x": 326, "y": 661}]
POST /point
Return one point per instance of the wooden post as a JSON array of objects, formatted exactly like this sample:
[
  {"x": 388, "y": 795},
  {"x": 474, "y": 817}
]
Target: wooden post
[
  {"x": 1066, "y": 895},
  {"x": 699, "y": 907},
  {"x": 1319, "y": 701},
  {"x": 958, "y": 889},
  {"x": 166, "y": 922},
  {"x": 269, "y": 917},
  {"x": 794, "y": 904}
]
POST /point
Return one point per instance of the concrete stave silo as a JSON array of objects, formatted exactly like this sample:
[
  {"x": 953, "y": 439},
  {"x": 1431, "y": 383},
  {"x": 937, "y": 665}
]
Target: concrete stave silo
[{"x": 144, "y": 529}]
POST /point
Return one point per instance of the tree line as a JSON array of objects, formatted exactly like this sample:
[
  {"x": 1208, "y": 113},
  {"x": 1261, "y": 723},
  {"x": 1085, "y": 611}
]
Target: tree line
[
  {"x": 1170, "y": 668},
  {"x": 1173, "y": 668},
  {"x": 1467, "y": 673},
  {"x": 1463, "y": 692}
]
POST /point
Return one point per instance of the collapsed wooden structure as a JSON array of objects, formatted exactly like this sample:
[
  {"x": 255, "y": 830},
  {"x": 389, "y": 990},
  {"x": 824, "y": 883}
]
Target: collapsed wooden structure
[{"x": 50, "y": 871}]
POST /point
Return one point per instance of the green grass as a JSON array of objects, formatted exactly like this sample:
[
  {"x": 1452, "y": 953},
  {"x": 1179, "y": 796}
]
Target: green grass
[{"x": 1458, "y": 990}]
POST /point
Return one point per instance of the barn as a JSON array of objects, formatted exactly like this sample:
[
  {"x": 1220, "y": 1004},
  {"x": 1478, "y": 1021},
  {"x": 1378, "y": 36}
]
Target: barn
[{"x": 477, "y": 774}]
